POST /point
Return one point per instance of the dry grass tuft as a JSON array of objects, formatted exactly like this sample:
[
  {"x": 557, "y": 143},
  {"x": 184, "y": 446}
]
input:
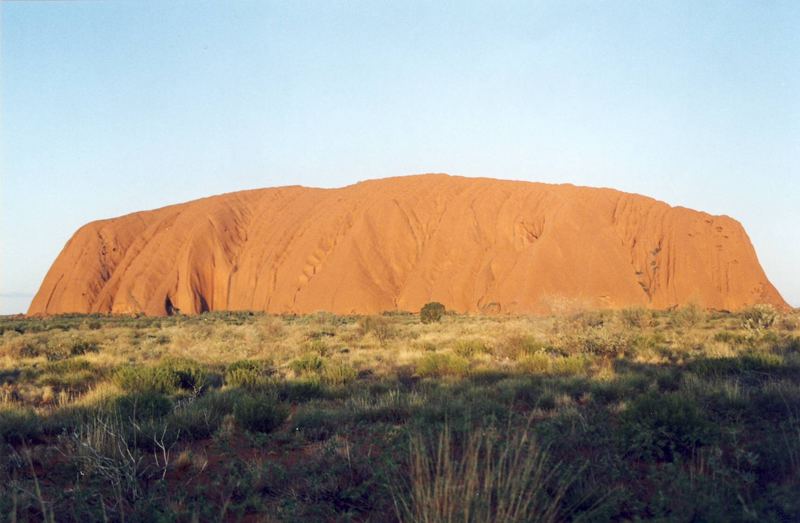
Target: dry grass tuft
[{"x": 482, "y": 475}]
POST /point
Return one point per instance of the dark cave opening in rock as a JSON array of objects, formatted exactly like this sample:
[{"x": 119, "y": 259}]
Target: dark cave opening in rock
[
  {"x": 169, "y": 308},
  {"x": 203, "y": 304}
]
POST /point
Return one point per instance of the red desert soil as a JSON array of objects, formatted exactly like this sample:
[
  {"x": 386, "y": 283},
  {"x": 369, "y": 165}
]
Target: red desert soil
[{"x": 474, "y": 244}]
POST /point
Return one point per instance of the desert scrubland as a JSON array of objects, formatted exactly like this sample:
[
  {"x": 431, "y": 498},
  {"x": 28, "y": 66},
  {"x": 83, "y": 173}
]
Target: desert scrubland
[{"x": 593, "y": 416}]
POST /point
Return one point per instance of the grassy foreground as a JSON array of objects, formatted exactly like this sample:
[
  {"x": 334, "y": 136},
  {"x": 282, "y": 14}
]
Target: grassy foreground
[{"x": 627, "y": 415}]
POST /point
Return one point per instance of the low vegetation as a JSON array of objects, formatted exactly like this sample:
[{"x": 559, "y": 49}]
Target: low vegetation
[{"x": 684, "y": 415}]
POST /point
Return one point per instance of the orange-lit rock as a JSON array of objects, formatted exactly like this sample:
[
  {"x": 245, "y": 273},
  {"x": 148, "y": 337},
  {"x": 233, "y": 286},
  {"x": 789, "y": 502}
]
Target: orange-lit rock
[{"x": 397, "y": 243}]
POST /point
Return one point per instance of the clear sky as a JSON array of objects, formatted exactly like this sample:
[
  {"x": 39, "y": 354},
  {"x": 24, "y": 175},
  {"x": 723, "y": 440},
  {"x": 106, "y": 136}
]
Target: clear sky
[{"x": 110, "y": 107}]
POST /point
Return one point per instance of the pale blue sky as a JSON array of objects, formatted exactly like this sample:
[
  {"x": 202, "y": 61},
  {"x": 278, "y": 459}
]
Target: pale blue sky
[{"x": 110, "y": 107}]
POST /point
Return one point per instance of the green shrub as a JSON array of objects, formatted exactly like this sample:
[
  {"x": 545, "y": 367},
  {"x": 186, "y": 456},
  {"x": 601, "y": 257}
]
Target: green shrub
[
  {"x": 198, "y": 418},
  {"x": 339, "y": 374},
  {"x": 18, "y": 425},
  {"x": 431, "y": 312},
  {"x": 146, "y": 379},
  {"x": 62, "y": 347},
  {"x": 308, "y": 364},
  {"x": 569, "y": 365},
  {"x": 300, "y": 390},
  {"x": 438, "y": 365},
  {"x": 259, "y": 413},
  {"x": 72, "y": 374},
  {"x": 607, "y": 392},
  {"x": 143, "y": 405},
  {"x": 91, "y": 324},
  {"x": 538, "y": 363},
  {"x": 519, "y": 391},
  {"x": 758, "y": 364},
  {"x": 190, "y": 376},
  {"x": 687, "y": 316},
  {"x": 167, "y": 377},
  {"x": 601, "y": 344},
  {"x": 470, "y": 348},
  {"x": 70, "y": 417},
  {"x": 79, "y": 347},
  {"x": 18, "y": 347},
  {"x": 249, "y": 374},
  {"x": 317, "y": 424},
  {"x": 663, "y": 426}
]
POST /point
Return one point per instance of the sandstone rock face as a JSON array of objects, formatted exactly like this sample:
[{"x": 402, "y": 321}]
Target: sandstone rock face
[{"x": 476, "y": 245}]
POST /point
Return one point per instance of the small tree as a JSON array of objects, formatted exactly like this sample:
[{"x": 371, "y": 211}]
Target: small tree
[{"x": 431, "y": 312}]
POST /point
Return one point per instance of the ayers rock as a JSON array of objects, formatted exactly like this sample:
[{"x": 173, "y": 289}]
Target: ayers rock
[{"x": 474, "y": 244}]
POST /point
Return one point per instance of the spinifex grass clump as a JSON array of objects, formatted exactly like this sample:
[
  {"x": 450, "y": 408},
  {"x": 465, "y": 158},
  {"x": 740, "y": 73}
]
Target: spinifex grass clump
[
  {"x": 167, "y": 377},
  {"x": 249, "y": 374}
]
